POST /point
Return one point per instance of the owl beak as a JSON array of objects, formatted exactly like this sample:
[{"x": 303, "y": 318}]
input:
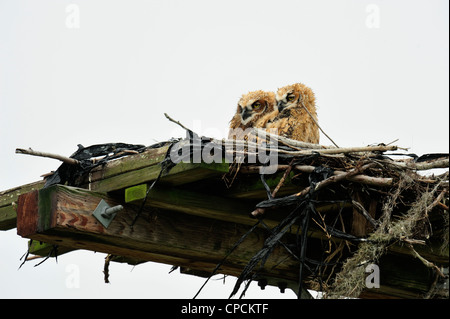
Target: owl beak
[
  {"x": 281, "y": 106},
  {"x": 246, "y": 114}
]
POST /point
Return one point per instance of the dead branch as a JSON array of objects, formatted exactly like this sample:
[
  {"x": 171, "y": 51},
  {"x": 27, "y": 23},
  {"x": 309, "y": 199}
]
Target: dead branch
[
  {"x": 334, "y": 179},
  {"x": 314, "y": 120},
  {"x": 363, "y": 212},
  {"x": 287, "y": 141},
  {"x": 286, "y": 173},
  {"x": 436, "y": 201},
  {"x": 360, "y": 178},
  {"x": 108, "y": 259},
  {"x": 176, "y": 122},
  {"x": 363, "y": 179},
  {"x": 422, "y": 166},
  {"x": 345, "y": 150},
  {"x": 64, "y": 159},
  {"x": 426, "y": 262}
]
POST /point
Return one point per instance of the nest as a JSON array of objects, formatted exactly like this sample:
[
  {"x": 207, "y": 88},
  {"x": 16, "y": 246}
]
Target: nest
[{"x": 363, "y": 200}]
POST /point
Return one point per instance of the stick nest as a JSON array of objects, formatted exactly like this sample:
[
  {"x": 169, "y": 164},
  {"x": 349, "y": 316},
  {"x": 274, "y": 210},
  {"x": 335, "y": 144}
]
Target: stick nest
[{"x": 381, "y": 198}]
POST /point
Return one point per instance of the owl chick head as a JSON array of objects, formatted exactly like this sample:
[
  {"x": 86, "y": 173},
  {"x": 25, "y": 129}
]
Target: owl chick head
[
  {"x": 291, "y": 96},
  {"x": 253, "y": 105}
]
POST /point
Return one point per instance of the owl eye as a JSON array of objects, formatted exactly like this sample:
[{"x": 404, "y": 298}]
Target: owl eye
[
  {"x": 256, "y": 106},
  {"x": 290, "y": 97}
]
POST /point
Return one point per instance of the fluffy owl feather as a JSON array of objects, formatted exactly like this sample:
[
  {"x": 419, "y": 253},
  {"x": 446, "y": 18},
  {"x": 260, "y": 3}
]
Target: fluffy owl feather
[
  {"x": 254, "y": 109},
  {"x": 292, "y": 120}
]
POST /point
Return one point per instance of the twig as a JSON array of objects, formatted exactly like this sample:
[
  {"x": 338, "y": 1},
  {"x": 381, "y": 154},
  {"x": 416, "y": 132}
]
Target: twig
[
  {"x": 261, "y": 211},
  {"x": 64, "y": 159},
  {"x": 329, "y": 151},
  {"x": 335, "y": 178},
  {"x": 360, "y": 178},
  {"x": 287, "y": 141},
  {"x": 363, "y": 212},
  {"x": 392, "y": 142},
  {"x": 108, "y": 258},
  {"x": 286, "y": 173},
  {"x": 435, "y": 202},
  {"x": 34, "y": 257},
  {"x": 312, "y": 117},
  {"x": 344, "y": 150},
  {"x": 426, "y": 262},
  {"x": 177, "y": 122},
  {"x": 439, "y": 163}
]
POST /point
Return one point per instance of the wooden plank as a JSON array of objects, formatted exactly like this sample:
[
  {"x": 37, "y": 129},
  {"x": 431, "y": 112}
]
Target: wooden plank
[
  {"x": 220, "y": 208},
  {"x": 193, "y": 203},
  {"x": 182, "y": 173},
  {"x": 118, "y": 174},
  {"x": 145, "y": 167},
  {"x": 8, "y": 203},
  {"x": 208, "y": 206},
  {"x": 8, "y": 217},
  {"x": 151, "y": 157},
  {"x": 64, "y": 216}
]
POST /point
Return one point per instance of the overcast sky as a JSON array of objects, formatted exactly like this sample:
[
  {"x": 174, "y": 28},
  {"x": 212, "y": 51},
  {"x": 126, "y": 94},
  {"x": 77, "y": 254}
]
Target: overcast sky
[{"x": 94, "y": 72}]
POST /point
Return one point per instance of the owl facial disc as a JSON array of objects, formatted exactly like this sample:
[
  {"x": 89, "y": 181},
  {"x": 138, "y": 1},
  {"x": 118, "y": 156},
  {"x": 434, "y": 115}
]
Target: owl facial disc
[{"x": 287, "y": 100}]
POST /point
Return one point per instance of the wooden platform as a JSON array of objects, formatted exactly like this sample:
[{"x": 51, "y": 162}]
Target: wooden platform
[{"x": 193, "y": 219}]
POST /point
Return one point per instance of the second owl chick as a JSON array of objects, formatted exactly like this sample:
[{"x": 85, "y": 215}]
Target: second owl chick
[{"x": 292, "y": 120}]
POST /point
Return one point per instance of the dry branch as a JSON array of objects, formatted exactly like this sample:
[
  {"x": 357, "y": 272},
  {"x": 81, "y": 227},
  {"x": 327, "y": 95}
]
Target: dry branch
[
  {"x": 360, "y": 178},
  {"x": 320, "y": 128},
  {"x": 363, "y": 212},
  {"x": 426, "y": 262},
  {"x": 176, "y": 122},
  {"x": 287, "y": 141},
  {"x": 422, "y": 166},
  {"x": 335, "y": 178},
  {"x": 62, "y": 158}
]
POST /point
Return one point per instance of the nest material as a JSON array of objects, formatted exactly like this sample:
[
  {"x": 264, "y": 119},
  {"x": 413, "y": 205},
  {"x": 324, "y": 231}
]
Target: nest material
[
  {"x": 414, "y": 209},
  {"x": 406, "y": 228}
]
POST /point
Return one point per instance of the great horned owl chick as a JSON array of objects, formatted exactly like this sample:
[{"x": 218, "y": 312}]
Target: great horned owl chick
[
  {"x": 292, "y": 120},
  {"x": 254, "y": 109}
]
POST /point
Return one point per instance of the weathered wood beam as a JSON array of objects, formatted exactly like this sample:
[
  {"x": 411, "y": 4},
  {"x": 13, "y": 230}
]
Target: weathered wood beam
[
  {"x": 144, "y": 167},
  {"x": 63, "y": 215},
  {"x": 220, "y": 208},
  {"x": 118, "y": 174},
  {"x": 208, "y": 206},
  {"x": 8, "y": 203}
]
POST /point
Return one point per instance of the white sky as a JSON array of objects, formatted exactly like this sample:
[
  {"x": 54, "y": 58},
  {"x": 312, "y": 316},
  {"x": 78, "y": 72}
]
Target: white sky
[{"x": 379, "y": 69}]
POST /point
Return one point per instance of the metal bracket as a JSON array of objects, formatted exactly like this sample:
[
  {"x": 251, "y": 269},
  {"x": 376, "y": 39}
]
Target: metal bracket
[{"x": 105, "y": 214}]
